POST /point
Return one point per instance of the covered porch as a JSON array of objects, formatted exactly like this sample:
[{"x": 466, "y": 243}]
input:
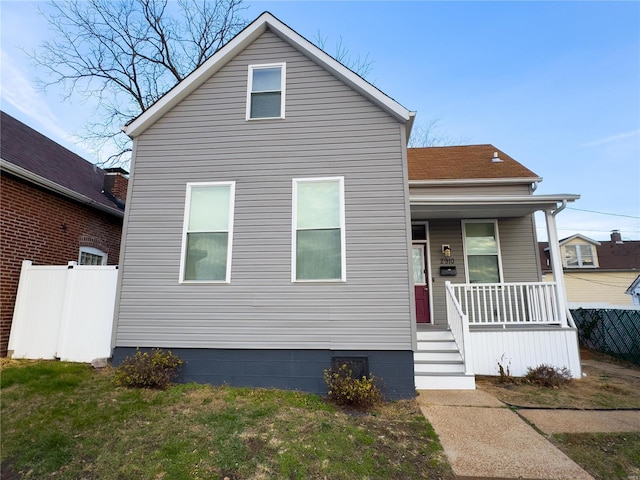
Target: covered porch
[{"x": 480, "y": 303}]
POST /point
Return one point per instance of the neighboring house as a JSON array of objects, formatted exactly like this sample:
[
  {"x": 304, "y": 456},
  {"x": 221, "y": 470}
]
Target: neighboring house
[
  {"x": 634, "y": 291},
  {"x": 56, "y": 208},
  {"x": 277, "y": 224},
  {"x": 596, "y": 271}
]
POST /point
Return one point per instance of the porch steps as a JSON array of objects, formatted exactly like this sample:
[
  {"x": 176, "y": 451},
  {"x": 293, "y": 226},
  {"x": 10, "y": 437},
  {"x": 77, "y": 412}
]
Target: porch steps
[{"x": 438, "y": 364}]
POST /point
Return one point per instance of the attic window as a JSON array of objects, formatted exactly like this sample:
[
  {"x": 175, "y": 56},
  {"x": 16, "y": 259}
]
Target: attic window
[
  {"x": 577, "y": 256},
  {"x": 266, "y": 91}
]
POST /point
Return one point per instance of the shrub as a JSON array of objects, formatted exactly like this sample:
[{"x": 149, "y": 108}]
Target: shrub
[
  {"x": 154, "y": 369},
  {"x": 548, "y": 375},
  {"x": 361, "y": 393}
]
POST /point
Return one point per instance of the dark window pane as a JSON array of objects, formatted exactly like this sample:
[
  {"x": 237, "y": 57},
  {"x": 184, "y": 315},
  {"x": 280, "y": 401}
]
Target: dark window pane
[
  {"x": 483, "y": 269},
  {"x": 265, "y": 105},
  {"x": 318, "y": 255},
  {"x": 418, "y": 232},
  {"x": 206, "y": 257}
]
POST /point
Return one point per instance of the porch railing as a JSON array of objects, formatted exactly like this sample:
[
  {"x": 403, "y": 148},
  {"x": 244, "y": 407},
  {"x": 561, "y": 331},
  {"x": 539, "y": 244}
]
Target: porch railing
[
  {"x": 503, "y": 304},
  {"x": 459, "y": 326}
]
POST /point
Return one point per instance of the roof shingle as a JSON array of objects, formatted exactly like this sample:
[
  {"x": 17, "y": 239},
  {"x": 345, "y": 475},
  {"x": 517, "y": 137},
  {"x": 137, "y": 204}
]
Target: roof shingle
[
  {"x": 24, "y": 147},
  {"x": 463, "y": 162}
]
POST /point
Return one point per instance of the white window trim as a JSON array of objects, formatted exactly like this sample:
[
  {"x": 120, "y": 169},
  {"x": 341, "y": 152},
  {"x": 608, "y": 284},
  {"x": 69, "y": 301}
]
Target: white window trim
[
  {"x": 185, "y": 225},
  {"x": 92, "y": 251},
  {"x": 294, "y": 221},
  {"x": 283, "y": 84},
  {"x": 464, "y": 246},
  {"x": 579, "y": 256}
]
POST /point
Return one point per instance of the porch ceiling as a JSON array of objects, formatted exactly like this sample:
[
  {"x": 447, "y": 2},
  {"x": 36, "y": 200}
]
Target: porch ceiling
[{"x": 427, "y": 207}]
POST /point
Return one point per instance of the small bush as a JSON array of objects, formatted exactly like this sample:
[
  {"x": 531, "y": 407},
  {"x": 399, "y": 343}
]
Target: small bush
[
  {"x": 548, "y": 375},
  {"x": 155, "y": 369},
  {"x": 361, "y": 393}
]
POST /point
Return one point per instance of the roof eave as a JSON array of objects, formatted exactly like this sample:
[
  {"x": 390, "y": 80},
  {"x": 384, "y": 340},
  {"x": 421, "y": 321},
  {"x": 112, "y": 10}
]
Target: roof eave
[
  {"x": 492, "y": 199},
  {"x": 474, "y": 181},
  {"x": 35, "y": 179},
  {"x": 239, "y": 43}
]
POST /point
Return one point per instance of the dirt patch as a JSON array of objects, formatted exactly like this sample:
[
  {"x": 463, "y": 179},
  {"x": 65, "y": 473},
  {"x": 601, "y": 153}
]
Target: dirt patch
[{"x": 601, "y": 388}]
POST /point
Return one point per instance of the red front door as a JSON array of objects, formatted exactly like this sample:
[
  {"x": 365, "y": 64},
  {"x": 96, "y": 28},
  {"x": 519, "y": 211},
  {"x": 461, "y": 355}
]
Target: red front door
[{"x": 420, "y": 283}]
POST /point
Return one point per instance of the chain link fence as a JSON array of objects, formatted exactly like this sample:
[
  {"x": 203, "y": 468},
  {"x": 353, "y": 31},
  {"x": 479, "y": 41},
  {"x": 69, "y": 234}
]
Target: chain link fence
[{"x": 615, "y": 332}]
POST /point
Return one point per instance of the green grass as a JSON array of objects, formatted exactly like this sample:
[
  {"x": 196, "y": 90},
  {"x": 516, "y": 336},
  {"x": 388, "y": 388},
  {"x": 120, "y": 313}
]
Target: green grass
[
  {"x": 606, "y": 456},
  {"x": 67, "y": 421}
]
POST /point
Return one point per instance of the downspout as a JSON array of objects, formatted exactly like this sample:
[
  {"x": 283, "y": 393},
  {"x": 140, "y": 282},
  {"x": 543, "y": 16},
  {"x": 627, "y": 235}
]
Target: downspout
[{"x": 560, "y": 208}]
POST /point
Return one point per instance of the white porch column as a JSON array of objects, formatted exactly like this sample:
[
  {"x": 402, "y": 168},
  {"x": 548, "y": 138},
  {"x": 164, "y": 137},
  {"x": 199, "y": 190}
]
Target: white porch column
[{"x": 556, "y": 264}]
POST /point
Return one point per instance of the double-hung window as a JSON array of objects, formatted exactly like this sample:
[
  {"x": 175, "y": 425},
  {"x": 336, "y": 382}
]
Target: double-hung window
[
  {"x": 482, "y": 251},
  {"x": 318, "y": 236},
  {"x": 266, "y": 91},
  {"x": 207, "y": 232},
  {"x": 577, "y": 256}
]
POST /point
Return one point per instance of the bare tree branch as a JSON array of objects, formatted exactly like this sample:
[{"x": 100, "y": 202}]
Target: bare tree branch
[
  {"x": 362, "y": 65},
  {"x": 126, "y": 54},
  {"x": 429, "y": 135}
]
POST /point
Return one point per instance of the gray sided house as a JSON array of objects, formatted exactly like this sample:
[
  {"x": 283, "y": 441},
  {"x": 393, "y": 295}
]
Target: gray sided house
[
  {"x": 276, "y": 223},
  {"x": 479, "y": 297},
  {"x": 267, "y": 230}
]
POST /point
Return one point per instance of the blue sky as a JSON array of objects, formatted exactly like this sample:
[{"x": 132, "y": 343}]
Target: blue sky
[{"x": 556, "y": 85}]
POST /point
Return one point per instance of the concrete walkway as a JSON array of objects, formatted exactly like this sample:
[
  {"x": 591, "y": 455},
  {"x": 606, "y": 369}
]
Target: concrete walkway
[
  {"x": 583, "y": 421},
  {"x": 485, "y": 440}
]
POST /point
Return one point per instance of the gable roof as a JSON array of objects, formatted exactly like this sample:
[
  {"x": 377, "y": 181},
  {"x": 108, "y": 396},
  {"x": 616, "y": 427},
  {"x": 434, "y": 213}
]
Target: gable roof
[
  {"x": 634, "y": 287},
  {"x": 31, "y": 156},
  {"x": 266, "y": 21},
  {"x": 579, "y": 236},
  {"x": 467, "y": 162},
  {"x": 611, "y": 255}
]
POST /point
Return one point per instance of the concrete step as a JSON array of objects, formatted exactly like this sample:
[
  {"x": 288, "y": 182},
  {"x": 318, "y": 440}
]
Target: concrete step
[
  {"x": 444, "y": 381},
  {"x": 438, "y": 367}
]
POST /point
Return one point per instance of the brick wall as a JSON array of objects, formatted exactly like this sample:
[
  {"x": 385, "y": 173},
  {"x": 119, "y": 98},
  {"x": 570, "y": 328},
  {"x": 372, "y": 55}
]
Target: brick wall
[{"x": 47, "y": 229}]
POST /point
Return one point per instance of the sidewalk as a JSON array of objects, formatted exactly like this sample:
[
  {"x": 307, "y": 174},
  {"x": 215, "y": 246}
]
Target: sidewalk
[{"x": 485, "y": 440}]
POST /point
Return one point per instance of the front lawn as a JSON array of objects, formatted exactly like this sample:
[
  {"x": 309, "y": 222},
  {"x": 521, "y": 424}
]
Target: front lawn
[{"x": 67, "y": 421}]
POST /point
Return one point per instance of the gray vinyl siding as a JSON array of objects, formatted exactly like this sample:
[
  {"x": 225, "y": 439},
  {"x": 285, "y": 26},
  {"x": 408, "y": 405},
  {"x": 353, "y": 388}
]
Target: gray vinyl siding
[
  {"x": 517, "y": 247},
  {"x": 329, "y": 130}
]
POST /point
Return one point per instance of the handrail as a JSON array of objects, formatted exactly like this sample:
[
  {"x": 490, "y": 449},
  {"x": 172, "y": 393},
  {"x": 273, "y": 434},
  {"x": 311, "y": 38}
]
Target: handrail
[
  {"x": 459, "y": 327},
  {"x": 502, "y": 304}
]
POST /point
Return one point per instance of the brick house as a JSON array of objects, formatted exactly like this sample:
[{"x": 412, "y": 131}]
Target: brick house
[{"x": 55, "y": 207}]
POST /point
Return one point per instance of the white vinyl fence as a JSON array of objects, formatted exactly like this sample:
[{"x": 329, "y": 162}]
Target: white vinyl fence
[{"x": 63, "y": 312}]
